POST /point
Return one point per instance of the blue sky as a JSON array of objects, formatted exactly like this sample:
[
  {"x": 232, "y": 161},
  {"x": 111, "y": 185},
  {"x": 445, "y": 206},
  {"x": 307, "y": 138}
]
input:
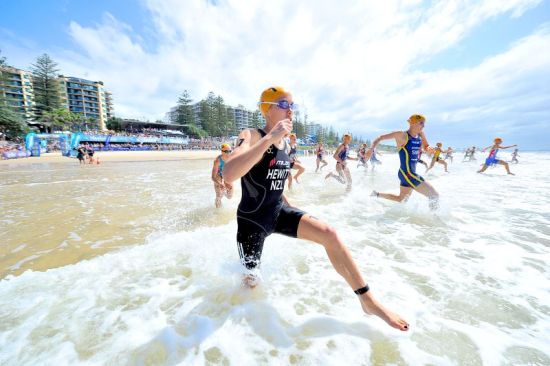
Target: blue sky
[{"x": 476, "y": 69}]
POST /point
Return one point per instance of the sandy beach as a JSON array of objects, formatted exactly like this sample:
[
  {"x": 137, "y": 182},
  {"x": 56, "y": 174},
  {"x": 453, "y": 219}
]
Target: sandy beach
[{"x": 107, "y": 156}]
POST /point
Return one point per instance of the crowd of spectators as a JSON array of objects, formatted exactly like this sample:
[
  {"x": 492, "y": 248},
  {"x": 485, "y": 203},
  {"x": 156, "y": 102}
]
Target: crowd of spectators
[
  {"x": 208, "y": 143},
  {"x": 134, "y": 132},
  {"x": 13, "y": 150}
]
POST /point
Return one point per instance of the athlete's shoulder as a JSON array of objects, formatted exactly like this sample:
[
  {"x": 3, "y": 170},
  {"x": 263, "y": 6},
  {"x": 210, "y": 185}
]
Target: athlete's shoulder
[{"x": 248, "y": 135}]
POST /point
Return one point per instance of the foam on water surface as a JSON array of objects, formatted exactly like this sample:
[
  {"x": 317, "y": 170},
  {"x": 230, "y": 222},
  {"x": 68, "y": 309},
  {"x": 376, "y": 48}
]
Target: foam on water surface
[{"x": 472, "y": 279}]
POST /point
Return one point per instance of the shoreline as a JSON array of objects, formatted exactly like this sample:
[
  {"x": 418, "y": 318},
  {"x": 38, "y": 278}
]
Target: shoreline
[{"x": 117, "y": 156}]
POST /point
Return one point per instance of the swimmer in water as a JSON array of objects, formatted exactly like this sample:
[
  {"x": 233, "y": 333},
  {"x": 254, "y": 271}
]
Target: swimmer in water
[
  {"x": 492, "y": 158},
  {"x": 449, "y": 154},
  {"x": 515, "y": 156},
  {"x": 294, "y": 162},
  {"x": 409, "y": 143},
  {"x": 374, "y": 159},
  {"x": 261, "y": 161},
  {"x": 221, "y": 187},
  {"x": 361, "y": 161},
  {"x": 341, "y": 157},
  {"x": 437, "y": 159},
  {"x": 320, "y": 152}
]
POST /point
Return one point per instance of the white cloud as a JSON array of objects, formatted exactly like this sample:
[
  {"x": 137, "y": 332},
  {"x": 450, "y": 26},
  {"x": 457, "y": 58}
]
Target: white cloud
[{"x": 354, "y": 66}]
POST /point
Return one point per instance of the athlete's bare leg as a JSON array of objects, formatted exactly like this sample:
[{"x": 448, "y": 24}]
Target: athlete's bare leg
[
  {"x": 404, "y": 193},
  {"x": 340, "y": 177},
  {"x": 429, "y": 191},
  {"x": 483, "y": 168},
  {"x": 444, "y": 164},
  {"x": 219, "y": 193},
  {"x": 506, "y": 166},
  {"x": 300, "y": 169},
  {"x": 347, "y": 175},
  {"x": 228, "y": 190},
  {"x": 290, "y": 181},
  {"x": 342, "y": 261}
]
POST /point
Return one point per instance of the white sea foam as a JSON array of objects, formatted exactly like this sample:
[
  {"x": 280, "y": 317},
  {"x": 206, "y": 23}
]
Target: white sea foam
[{"x": 472, "y": 279}]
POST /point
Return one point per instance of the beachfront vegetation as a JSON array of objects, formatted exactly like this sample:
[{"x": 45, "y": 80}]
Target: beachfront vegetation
[
  {"x": 46, "y": 85},
  {"x": 11, "y": 124},
  {"x": 214, "y": 118},
  {"x": 114, "y": 124}
]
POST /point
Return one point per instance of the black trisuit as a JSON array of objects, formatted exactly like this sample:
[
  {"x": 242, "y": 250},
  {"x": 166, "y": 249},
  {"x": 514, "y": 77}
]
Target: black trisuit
[{"x": 261, "y": 211}]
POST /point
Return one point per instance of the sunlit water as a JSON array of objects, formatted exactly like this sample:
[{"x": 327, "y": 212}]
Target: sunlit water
[{"x": 129, "y": 263}]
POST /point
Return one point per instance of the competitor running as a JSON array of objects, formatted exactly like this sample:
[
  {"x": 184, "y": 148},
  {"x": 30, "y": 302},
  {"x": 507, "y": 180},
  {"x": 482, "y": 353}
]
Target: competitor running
[
  {"x": 261, "y": 161},
  {"x": 374, "y": 159},
  {"x": 492, "y": 158},
  {"x": 361, "y": 161},
  {"x": 341, "y": 155},
  {"x": 437, "y": 159},
  {"x": 515, "y": 156},
  {"x": 409, "y": 143},
  {"x": 449, "y": 154},
  {"x": 222, "y": 187},
  {"x": 294, "y": 162},
  {"x": 320, "y": 151}
]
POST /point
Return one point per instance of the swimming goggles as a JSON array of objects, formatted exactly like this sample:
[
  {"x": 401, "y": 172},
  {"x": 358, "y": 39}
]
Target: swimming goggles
[
  {"x": 283, "y": 104},
  {"x": 226, "y": 151}
]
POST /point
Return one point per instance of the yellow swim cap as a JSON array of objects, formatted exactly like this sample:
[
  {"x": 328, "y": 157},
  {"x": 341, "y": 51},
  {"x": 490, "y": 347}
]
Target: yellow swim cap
[
  {"x": 415, "y": 118},
  {"x": 498, "y": 140},
  {"x": 225, "y": 147},
  {"x": 272, "y": 94},
  {"x": 292, "y": 135}
]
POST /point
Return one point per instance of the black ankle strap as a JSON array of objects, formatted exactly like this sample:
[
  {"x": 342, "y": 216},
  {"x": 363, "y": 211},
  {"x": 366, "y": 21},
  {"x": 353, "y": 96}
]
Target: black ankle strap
[{"x": 362, "y": 290}]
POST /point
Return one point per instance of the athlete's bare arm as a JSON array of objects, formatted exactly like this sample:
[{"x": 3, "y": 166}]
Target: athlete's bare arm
[
  {"x": 425, "y": 144},
  {"x": 337, "y": 153},
  {"x": 398, "y": 136},
  {"x": 215, "y": 167},
  {"x": 507, "y": 147},
  {"x": 250, "y": 148}
]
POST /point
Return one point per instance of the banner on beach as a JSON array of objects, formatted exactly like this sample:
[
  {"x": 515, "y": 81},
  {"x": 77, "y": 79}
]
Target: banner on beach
[{"x": 15, "y": 154}]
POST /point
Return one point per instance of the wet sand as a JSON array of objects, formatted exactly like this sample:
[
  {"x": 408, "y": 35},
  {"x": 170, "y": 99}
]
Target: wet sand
[{"x": 106, "y": 156}]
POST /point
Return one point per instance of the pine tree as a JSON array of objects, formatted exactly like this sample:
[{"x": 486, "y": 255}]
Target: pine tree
[
  {"x": 224, "y": 125},
  {"x": 184, "y": 114},
  {"x": 45, "y": 84}
]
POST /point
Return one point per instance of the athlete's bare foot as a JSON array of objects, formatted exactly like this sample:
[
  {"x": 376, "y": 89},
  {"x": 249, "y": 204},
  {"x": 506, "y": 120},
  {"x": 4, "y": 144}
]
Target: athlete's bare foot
[
  {"x": 251, "y": 280},
  {"x": 371, "y": 306},
  {"x": 511, "y": 173},
  {"x": 328, "y": 175}
]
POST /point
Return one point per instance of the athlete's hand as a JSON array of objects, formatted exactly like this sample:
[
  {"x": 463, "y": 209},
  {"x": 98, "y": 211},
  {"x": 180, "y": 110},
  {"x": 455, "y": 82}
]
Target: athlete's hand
[{"x": 281, "y": 129}]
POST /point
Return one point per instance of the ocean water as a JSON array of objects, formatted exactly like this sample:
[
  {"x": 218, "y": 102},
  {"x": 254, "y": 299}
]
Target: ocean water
[{"x": 130, "y": 264}]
